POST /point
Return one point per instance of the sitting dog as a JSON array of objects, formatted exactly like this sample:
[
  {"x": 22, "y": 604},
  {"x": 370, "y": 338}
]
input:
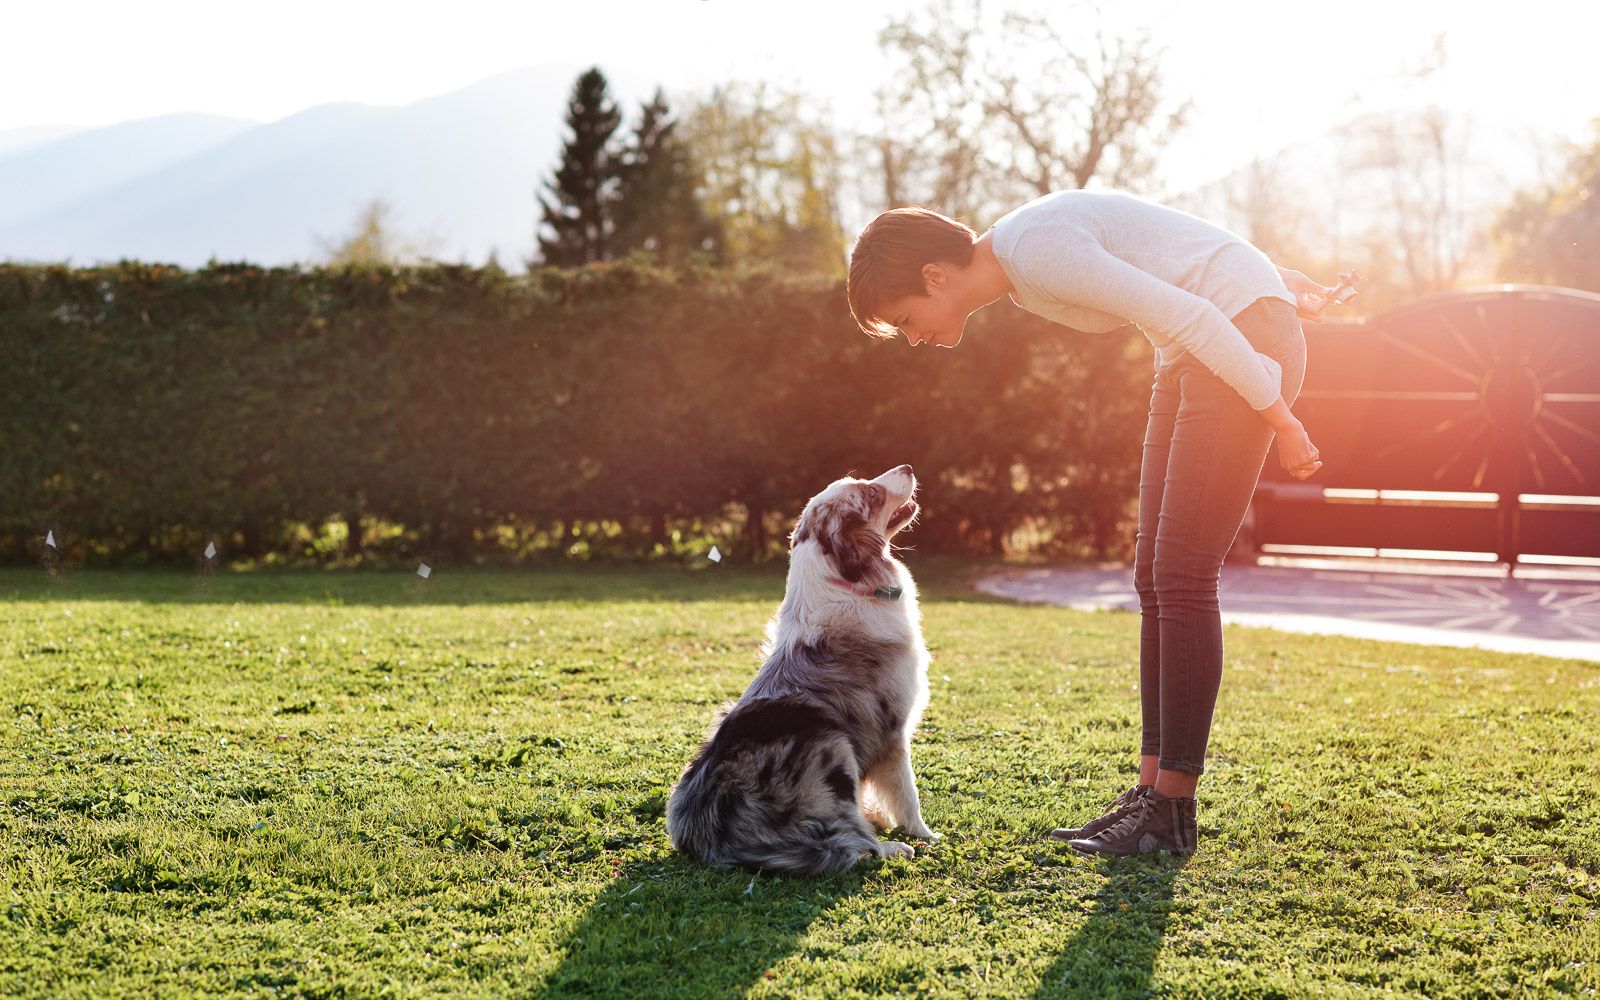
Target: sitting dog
[{"x": 817, "y": 751}]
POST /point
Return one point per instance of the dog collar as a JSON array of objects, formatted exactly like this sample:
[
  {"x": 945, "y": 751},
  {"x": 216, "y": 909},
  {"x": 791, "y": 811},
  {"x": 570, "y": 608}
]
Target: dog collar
[{"x": 860, "y": 589}]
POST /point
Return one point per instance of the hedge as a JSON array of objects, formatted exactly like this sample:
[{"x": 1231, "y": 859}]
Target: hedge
[{"x": 151, "y": 406}]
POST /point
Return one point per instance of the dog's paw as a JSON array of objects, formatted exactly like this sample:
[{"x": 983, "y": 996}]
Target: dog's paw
[
  {"x": 895, "y": 849},
  {"x": 921, "y": 832}
]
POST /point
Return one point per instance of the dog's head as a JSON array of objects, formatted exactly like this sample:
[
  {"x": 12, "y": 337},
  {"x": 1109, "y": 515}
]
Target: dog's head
[{"x": 853, "y": 519}]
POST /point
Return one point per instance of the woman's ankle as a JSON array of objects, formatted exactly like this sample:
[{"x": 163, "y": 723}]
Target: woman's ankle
[
  {"x": 1176, "y": 784},
  {"x": 1148, "y": 765}
]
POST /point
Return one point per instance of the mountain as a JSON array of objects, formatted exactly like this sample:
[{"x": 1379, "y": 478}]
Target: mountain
[
  {"x": 42, "y": 177},
  {"x": 459, "y": 170},
  {"x": 14, "y": 140}
]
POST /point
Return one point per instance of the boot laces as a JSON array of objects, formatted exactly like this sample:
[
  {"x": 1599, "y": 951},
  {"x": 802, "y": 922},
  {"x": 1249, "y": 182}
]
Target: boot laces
[{"x": 1127, "y": 824}]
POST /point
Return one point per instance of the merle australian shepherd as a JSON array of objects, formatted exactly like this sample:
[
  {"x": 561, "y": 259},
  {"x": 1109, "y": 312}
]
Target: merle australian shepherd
[{"x": 817, "y": 751}]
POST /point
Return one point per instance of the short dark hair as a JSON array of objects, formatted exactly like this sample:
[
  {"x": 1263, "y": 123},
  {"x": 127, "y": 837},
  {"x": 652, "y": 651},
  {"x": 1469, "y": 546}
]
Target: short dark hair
[{"x": 886, "y": 264}]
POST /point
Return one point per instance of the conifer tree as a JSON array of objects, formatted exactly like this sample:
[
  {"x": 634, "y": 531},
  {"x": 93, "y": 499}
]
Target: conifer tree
[
  {"x": 658, "y": 207},
  {"x": 576, "y": 227}
]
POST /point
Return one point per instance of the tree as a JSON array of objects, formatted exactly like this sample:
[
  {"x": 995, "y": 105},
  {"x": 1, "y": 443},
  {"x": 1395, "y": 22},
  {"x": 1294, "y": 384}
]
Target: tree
[
  {"x": 657, "y": 207},
  {"x": 988, "y": 114},
  {"x": 770, "y": 173},
  {"x": 1428, "y": 228},
  {"x": 1268, "y": 206},
  {"x": 372, "y": 243},
  {"x": 577, "y": 227},
  {"x": 1552, "y": 234},
  {"x": 1417, "y": 161}
]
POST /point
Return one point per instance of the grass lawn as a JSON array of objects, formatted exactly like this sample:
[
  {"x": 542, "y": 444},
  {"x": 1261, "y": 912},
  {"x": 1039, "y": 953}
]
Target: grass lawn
[{"x": 341, "y": 784}]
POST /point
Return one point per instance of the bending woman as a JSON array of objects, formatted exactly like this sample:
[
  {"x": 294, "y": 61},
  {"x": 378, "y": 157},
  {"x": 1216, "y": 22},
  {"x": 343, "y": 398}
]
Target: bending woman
[{"x": 1230, "y": 359}]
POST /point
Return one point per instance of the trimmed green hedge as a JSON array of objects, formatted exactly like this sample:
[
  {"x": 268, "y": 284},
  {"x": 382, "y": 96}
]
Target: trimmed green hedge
[{"x": 149, "y": 406}]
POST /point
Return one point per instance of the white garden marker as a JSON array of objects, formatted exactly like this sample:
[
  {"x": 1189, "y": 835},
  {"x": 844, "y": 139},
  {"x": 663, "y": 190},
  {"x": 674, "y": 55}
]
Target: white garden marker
[
  {"x": 714, "y": 555},
  {"x": 211, "y": 550},
  {"x": 424, "y": 571},
  {"x": 50, "y": 538}
]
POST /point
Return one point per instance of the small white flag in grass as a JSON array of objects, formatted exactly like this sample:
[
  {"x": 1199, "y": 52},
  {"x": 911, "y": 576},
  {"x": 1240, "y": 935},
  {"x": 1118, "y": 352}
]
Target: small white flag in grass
[
  {"x": 424, "y": 571},
  {"x": 50, "y": 539},
  {"x": 714, "y": 555},
  {"x": 211, "y": 550}
]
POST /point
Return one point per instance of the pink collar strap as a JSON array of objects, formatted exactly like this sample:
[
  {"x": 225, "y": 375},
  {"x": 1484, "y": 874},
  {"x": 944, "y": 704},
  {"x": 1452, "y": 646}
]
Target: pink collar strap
[{"x": 861, "y": 589}]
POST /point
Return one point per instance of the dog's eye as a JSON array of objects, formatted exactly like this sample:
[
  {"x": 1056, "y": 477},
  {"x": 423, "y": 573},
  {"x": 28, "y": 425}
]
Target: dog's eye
[{"x": 877, "y": 494}]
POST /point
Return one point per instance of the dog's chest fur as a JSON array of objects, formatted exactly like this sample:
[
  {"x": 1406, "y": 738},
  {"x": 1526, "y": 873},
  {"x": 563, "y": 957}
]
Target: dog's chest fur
[{"x": 861, "y": 657}]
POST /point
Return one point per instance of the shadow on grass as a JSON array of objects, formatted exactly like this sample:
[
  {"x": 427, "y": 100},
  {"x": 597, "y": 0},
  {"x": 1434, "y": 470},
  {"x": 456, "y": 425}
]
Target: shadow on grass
[
  {"x": 674, "y": 928},
  {"x": 448, "y": 586},
  {"x": 1113, "y": 954}
]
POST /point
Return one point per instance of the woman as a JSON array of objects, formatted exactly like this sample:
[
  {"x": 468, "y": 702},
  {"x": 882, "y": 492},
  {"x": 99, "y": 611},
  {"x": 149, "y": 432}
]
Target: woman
[{"x": 1231, "y": 357}]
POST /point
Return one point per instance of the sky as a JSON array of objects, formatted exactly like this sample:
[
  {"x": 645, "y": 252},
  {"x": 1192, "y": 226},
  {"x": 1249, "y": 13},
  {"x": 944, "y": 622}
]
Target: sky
[{"x": 1260, "y": 74}]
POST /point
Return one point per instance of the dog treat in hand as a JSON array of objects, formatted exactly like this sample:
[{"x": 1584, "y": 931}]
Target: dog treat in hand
[{"x": 1345, "y": 290}]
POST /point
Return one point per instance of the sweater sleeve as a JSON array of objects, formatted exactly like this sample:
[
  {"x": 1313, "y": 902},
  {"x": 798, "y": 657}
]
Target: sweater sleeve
[{"x": 1089, "y": 275}]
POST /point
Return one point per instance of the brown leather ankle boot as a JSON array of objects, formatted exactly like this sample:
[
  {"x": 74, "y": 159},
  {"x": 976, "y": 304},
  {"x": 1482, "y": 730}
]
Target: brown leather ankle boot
[
  {"x": 1119, "y": 807},
  {"x": 1155, "y": 823}
]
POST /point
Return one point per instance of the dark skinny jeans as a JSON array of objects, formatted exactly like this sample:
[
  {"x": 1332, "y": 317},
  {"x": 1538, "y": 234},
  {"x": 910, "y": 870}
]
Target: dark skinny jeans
[{"x": 1204, "y": 448}]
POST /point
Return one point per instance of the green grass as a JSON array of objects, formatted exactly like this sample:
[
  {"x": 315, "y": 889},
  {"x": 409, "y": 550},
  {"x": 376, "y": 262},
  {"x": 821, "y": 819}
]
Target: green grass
[{"x": 333, "y": 784}]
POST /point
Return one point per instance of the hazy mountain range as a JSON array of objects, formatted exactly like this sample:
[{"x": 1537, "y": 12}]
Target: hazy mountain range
[{"x": 459, "y": 170}]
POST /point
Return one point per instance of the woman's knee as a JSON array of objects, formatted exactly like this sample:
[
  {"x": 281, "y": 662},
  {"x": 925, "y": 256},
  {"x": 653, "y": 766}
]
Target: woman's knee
[
  {"x": 1144, "y": 574},
  {"x": 1184, "y": 583}
]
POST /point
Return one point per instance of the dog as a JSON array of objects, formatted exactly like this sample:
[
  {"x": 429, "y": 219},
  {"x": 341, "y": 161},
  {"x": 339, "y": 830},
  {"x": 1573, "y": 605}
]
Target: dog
[{"x": 796, "y": 774}]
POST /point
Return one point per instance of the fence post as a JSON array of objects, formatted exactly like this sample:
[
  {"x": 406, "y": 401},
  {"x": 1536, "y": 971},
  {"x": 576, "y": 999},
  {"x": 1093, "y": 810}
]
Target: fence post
[{"x": 1509, "y": 415}]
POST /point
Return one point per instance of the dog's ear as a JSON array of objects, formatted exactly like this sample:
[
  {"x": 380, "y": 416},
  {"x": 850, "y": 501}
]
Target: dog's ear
[
  {"x": 856, "y": 548},
  {"x": 841, "y": 530},
  {"x": 803, "y": 528}
]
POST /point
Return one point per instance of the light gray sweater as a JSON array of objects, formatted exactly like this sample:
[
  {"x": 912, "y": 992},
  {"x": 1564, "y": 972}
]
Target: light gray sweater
[{"x": 1097, "y": 260}]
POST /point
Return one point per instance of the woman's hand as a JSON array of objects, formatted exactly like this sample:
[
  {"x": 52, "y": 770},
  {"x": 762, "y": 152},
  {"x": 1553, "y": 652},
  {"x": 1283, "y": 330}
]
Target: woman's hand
[
  {"x": 1310, "y": 298},
  {"x": 1298, "y": 455}
]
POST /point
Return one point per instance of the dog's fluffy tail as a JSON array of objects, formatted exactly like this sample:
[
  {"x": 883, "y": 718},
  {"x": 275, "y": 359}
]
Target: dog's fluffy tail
[
  {"x": 774, "y": 788},
  {"x": 814, "y": 847},
  {"x": 725, "y": 830},
  {"x": 716, "y": 830}
]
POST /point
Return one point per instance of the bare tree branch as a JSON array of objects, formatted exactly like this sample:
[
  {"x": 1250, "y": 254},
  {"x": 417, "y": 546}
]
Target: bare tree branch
[{"x": 989, "y": 112}]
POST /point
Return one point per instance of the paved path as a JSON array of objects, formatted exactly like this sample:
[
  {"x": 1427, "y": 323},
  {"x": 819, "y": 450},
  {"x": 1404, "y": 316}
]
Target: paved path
[{"x": 1555, "y": 614}]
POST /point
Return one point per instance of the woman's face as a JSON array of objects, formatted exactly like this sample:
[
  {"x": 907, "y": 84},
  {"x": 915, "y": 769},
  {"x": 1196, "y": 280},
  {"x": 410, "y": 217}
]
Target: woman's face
[{"x": 938, "y": 318}]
